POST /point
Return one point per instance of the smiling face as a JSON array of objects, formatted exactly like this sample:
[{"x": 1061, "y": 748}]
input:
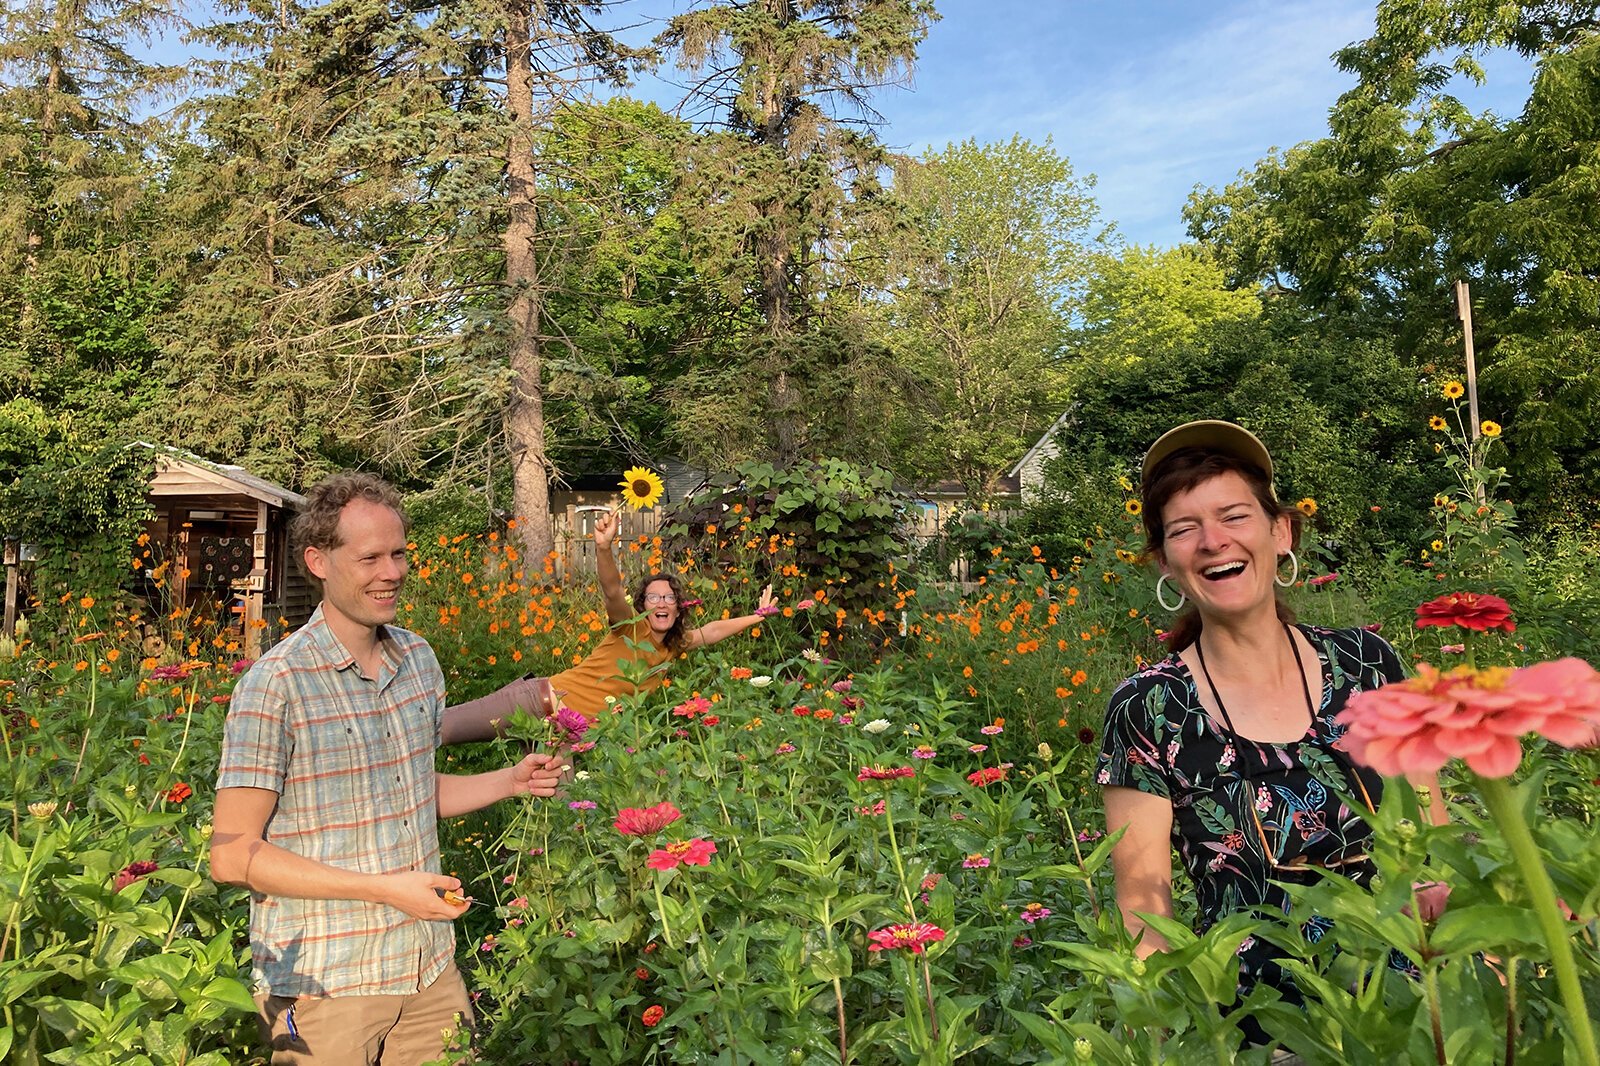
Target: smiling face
[
  {"x": 361, "y": 576},
  {"x": 1222, "y": 547},
  {"x": 660, "y": 613}
]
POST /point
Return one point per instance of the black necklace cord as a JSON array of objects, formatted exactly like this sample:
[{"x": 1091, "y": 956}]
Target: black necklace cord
[{"x": 1305, "y": 684}]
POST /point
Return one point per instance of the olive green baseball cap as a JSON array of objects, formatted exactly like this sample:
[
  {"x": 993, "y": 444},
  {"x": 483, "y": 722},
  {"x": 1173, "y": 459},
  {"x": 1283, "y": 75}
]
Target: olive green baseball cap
[{"x": 1213, "y": 435}]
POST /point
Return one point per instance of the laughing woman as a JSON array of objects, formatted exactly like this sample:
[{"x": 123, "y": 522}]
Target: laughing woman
[
  {"x": 647, "y": 628},
  {"x": 1226, "y": 750}
]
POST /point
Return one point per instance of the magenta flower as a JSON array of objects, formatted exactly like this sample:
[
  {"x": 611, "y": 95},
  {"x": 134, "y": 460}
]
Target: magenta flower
[
  {"x": 1033, "y": 912},
  {"x": 134, "y": 871},
  {"x": 583, "y": 805},
  {"x": 924, "y": 751},
  {"x": 884, "y": 773},
  {"x": 975, "y": 862},
  {"x": 906, "y": 937},
  {"x": 572, "y": 724}
]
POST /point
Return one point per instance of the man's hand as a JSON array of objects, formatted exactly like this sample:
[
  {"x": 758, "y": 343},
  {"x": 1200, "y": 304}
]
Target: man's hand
[
  {"x": 605, "y": 529},
  {"x": 540, "y": 774},
  {"x": 417, "y": 893}
]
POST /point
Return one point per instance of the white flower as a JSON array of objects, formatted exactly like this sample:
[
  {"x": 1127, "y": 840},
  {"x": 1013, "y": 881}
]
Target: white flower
[
  {"x": 811, "y": 655},
  {"x": 42, "y": 809},
  {"x": 581, "y": 775},
  {"x": 877, "y": 725},
  {"x": 760, "y": 681}
]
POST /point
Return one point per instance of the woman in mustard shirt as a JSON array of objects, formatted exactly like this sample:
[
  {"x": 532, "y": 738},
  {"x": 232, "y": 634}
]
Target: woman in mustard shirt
[{"x": 648, "y": 628}]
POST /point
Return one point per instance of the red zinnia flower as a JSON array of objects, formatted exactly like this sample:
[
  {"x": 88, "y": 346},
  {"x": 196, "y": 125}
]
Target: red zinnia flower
[
  {"x": 645, "y": 821},
  {"x": 884, "y": 773},
  {"x": 685, "y": 853},
  {"x": 1469, "y": 610},
  {"x": 179, "y": 792},
  {"x": 910, "y": 937},
  {"x": 987, "y": 776},
  {"x": 134, "y": 871},
  {"x": 653, "y": 1015}
]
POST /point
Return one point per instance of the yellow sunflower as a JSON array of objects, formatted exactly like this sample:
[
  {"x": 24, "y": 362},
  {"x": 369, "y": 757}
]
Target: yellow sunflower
[
  {"x": 1307, "y": 506},
  {"x": 1453, "y": 390},
  {"x": 1133, "y": 507},
  {"x": 1489, "y": 429},
  {"x": 1436, "y": 423},
  {"x": 641, "y": 487},
  {"x": 1437, "y": 545}
]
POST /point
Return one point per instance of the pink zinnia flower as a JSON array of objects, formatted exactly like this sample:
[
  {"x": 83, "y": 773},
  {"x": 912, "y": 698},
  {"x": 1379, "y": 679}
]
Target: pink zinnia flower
[
  {"x": 690, "y": 708},
  {"x": 583, "y": 805},
  {"x": 842, "y": 686},
  {"x": 784, "y": 749},
  {"x": 1034, "y": 911},
  {"x": 695, "y": 852},
  {"x": 1417, "y": 725},
  {"x": 176, "y": 672},
  {"x": 874, "y": 810},
  {"x": 239, "y": 666},
  {"x": 987, "y": 776},
  {"x": 646, "y": 821},
  {"x": 977, "y": 749},
  {"x": 884, "y": 773},
  {"x": 805, "y": 605},
  {"x": 908, "y": 937},
  {"x": 571, "y": 724},
  {"x": 992, "y": 730},
  {"x": 975, "y": 862},
  {"x": 1469, "y": 610},
  {"x": 924, "y": 751},
  {"x": 1022, "y": 941},
  {"x": 1325, "y": 579}
]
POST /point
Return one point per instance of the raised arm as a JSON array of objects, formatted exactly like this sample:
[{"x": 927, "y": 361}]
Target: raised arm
[
  {"x": 723, "y": 628},
  {"x": 241, "y": 855},
  {"x": 618, "y": 609},
  {"x": 1142, "y": 861},
  {"x": 538, "y": 774}
]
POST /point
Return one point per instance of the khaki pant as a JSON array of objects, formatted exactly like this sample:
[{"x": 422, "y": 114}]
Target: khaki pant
[{"x": 403, "y": 1030}]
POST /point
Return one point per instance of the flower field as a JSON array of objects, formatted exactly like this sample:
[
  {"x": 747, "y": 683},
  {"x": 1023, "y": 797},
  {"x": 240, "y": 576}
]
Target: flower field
[{"x": 867, "y": 835}]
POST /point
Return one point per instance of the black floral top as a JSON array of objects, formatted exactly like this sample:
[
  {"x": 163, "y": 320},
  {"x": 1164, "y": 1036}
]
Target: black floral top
[{"x": 1158, "y": 739}]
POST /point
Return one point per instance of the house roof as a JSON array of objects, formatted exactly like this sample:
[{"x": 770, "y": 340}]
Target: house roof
[
  {"x": 1043, "y": 441},
  {"x": 207, "y": 478}
]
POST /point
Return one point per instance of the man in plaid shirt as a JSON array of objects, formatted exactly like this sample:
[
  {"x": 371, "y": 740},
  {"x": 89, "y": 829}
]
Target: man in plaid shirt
[{"x": 327, "y": 806}]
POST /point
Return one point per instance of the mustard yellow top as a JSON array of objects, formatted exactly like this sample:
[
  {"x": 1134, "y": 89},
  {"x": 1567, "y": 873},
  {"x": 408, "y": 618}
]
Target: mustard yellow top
[{"x": 585, "y": 687}]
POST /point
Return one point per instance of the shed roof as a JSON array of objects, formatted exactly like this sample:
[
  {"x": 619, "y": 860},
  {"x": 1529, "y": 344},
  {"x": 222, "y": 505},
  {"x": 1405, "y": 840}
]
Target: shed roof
[{"x": 207, "y": 478}]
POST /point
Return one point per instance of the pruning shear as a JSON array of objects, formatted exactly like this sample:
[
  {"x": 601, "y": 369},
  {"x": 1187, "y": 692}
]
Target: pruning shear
[{"x": 455, "y": 900}]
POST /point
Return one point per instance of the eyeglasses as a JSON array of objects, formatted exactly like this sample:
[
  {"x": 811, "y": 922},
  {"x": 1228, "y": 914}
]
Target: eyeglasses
[
  {"x": 660, "y": 597},
  {"x": 1312, "y": 824}
]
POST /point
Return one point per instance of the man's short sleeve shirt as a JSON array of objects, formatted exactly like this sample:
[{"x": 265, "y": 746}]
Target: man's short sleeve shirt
[{"x": 351, "y": 758}]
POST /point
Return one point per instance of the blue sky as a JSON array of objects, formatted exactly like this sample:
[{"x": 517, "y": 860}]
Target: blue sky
[{"x": 1151, "y": 96}]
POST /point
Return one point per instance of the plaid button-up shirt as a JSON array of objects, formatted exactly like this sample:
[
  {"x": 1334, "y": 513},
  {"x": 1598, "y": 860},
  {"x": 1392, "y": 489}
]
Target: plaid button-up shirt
[{"x": 351, "y": 758}]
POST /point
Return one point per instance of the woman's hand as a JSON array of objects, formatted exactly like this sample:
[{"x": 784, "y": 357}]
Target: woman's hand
[
  {"x": 769, "y": 603},
  {"x": 605, "y": 529}
]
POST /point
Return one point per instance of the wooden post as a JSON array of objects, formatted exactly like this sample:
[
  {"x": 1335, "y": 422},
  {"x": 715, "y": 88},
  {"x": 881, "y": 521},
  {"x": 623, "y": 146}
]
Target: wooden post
[
  {"x": 13, "y": 558},
  {"x": 255, "y": 598},
  {"x": 1464, "y": 312}
]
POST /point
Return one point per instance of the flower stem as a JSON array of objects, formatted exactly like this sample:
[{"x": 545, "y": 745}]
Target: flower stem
[
  {"x": 661, "y": 906},
  {"x": 894, "y": 846},
  {"x": 1503, "y": 807}
]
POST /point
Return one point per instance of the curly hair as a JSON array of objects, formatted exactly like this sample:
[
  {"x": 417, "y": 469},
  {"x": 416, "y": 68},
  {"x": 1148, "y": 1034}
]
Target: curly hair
[
  {"x": 673, "y": 638},
  {"x": 317, "y": 523}
]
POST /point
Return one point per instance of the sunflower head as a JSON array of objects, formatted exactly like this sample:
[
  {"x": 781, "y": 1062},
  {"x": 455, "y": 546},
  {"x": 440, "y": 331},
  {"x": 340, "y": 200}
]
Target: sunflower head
[
  {"x": 1307, "y": 506},
  {"x": 1436, "y": 423},
  {"x": 1133, "y": 507},
  {"x": 1489, "y": 429},
  {"x": 641, "y": 487},
  {"x": 1453, "y": 390}
]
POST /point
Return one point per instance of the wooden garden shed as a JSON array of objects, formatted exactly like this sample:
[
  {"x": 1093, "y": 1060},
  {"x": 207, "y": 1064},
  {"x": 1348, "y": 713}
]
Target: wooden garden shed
[{"x": 224, "y": 536}]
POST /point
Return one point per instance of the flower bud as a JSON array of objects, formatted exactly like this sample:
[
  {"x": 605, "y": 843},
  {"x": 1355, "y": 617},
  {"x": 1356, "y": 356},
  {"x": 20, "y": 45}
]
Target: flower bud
[
  {"x": 1406, "y": 830},
  {"x": 1138, "y": 967},
  {"x": 1045, "y": 753},
  {"x": 1083, "y": 1050},
  {"x": 1425, "y": 796},
  {"x": 43, "y": 810},
  {"x": 130, "y": 790}
]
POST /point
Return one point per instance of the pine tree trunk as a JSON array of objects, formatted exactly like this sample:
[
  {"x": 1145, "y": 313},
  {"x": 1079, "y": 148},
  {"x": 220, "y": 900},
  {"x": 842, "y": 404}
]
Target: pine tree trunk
[{"x": 524, "y": 416}]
